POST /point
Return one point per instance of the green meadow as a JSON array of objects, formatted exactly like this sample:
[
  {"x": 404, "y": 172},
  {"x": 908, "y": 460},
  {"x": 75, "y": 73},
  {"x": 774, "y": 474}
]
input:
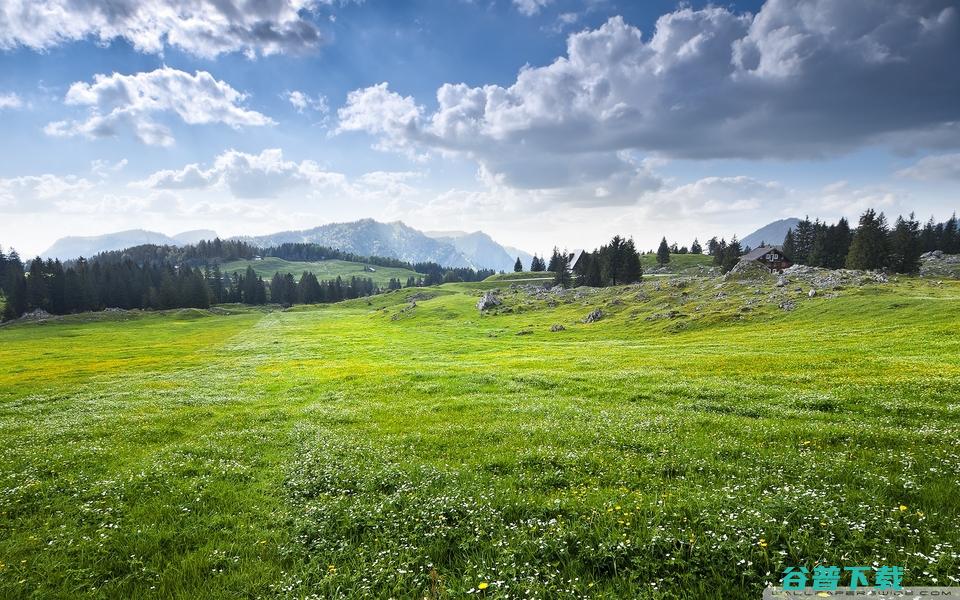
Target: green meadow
[
  {"x": 692, "y": 443},
  {"x": 323, "y": 269}
]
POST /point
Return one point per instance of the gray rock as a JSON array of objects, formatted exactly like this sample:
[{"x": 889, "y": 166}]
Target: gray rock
[
  {"x": 812, "y": 293},
  {"x": 487, "y": 301},
  {"x": 594, "y": 316},
  {"x": 557, "y": 327}
]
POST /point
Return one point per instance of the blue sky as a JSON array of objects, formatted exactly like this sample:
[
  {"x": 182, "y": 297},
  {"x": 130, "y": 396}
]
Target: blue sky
[{"x": 541, "y": 122}]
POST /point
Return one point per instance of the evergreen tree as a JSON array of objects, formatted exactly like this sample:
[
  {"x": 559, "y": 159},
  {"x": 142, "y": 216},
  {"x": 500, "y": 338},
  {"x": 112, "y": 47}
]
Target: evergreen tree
[
  {"x": 731, "y": 255},
  {"x": 537, "y": 265},
  {"x": 868, "y": 250},
  {"x": 518, "y": 266},
  {"x": 790, "y": 246},
  {"x": 561, "y": 268},
  {"x": 696, "y": 248},
  {"x": 663, "y": 252},
  {"x": 719, "y": 252},
  {"x": 905, "y": 246},
  {"x": 555, "y": 260}
]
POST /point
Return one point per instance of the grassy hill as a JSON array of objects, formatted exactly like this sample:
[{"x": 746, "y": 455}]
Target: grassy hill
[
  {"x": 323, "y": 269},
  {"x": 678, "y": 262},
  {"x": 698, "y": 438}
]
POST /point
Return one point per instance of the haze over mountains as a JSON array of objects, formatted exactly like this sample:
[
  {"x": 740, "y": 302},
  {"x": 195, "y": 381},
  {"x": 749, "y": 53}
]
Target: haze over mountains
[
  {"x": 366, "y": 237},
  {"x": 74, "y": 246}
]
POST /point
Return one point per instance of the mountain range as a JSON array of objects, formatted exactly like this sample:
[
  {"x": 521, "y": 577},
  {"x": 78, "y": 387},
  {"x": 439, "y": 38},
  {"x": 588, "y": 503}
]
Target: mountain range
[
  {"x": 365, "y": 237},
  {"x": 75, "y": 246}
]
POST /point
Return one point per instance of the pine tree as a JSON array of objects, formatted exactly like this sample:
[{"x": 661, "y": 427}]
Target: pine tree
[
  {"x": 868, "y": 250},
  {"x": 790, "y": 246},
  {"x": 696, "y": 248},
  {"x": 663, "y": 252},
  {"x": 518, "y": 266},
  {"x": 561, "y": 268},
  {"x": 731, "y": 255},
  {"x": 905, "y": 246}
]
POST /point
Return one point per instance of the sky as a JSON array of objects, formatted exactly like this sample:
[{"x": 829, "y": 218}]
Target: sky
[{"x": 540, "y": 122}]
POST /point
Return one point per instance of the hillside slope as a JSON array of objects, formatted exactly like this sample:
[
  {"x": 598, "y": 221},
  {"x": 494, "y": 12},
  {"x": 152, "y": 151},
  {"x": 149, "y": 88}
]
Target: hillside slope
[
  {"x": 408, "y": 445},
  {"x": 323, "y": 269}
]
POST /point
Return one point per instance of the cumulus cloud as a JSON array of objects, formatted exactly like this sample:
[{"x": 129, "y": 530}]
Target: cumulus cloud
[
  {"x": 304, "y": 102},
  {"x": 32, "y": 193},
  {"x": 711, "y": 196},
  {"x": 119, "y": 102},
  {"x": 530, "y": 7},
  {"x": 9, "y": 101},
  {"x": 796, "y": 80},
  {"x": 943, "y": 167},
  {"x": 205, "y": 28},
  {"x": 263, "y": 175}
]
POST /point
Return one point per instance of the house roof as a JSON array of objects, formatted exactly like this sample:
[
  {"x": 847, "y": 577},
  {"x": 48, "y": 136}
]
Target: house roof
[
  {"x": 574, "y": 257},
  {"x": 756, "y": 253}
]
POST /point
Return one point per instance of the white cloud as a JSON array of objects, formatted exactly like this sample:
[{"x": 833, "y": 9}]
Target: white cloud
[
  {"x": 377, "y": 110},
  {"x": 944, "y": 167},
  {"x": 105, "y": 168},
  {"x": 796, "y": 80},
  {"x": 263, "y": 175},
  {"x": 35, "y": 193},
  {"x": 304, "y": 102},
  {"x": 205, "y": 28},
  {"x": 530, "y": 7},
  {"x": 268, "y": 175},
  {"x": 10, "y": 101},
  {"x": 117, "y": 102},
  {"x": 712, "y": 196}
]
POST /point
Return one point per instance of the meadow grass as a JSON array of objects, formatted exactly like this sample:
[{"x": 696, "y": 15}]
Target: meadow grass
[
  {"x": 690, "y": 444},
  {"x": 323, "y": 269}
]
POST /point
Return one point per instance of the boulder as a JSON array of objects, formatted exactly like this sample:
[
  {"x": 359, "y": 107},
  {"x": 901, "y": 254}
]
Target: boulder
[
  {"x": 487, "y": 301},
  {"x": 594, "y": 316},
  {"x": 557, "y": 327}
]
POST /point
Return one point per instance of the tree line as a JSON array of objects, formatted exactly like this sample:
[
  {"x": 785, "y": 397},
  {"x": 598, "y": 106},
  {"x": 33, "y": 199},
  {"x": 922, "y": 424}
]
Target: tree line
[
  {"x": 874, "y": 244},
  {"x": 84, "y": 285}
]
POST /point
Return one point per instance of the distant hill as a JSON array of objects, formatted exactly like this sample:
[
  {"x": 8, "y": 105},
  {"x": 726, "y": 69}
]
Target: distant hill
[
  {"x": 75, "y": 246},
  {"x": 480, "y": 249},
  {"x": 323, "y": 269},
  {"x": 772, "y": 233}
]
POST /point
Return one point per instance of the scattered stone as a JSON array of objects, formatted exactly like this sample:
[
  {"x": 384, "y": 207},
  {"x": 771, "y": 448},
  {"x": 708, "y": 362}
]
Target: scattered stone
[
  {"x": 487, "y": 301},
  {"x": 670, "y": 314},
  {"x": 781, "y": 281},
  {"x": 812, "y": 293},
  {"x": 557, "y": 327},
  {"x": 594, "y": 316},
  {"x": 525, "y": 332},
  {"x": 788, "y": 305}
]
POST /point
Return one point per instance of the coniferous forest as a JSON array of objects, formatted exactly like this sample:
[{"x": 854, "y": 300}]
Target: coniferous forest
[{"x": 165, "y": 277}]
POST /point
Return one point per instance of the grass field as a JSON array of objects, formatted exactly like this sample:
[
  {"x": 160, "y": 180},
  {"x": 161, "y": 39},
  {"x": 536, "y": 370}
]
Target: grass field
[
  {"x": 323, "y": 269},
  {"x": 690, "y": 444},
  {"x": 678, "y": 262}
]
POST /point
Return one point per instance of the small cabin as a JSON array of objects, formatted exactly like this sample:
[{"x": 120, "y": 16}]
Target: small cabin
[{"x": 771, "y": 257}]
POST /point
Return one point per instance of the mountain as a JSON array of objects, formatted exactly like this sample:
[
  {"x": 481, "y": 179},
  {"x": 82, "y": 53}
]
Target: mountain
[
  {"x": 367, "y": 237},
  {"x": 197, "y": 235},
  {"x": 480, "y": 249},
  {"x": 75, "y": 246},
  {"x": 772, "y": 234}
]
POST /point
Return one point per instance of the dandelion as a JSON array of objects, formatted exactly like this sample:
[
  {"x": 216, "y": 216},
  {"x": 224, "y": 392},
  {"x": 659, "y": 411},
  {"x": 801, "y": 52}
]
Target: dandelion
[
  {"x": 762, "y": 543},
  {"x": 483, "y": 585},
  {"x": 903, "y": 507}
]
